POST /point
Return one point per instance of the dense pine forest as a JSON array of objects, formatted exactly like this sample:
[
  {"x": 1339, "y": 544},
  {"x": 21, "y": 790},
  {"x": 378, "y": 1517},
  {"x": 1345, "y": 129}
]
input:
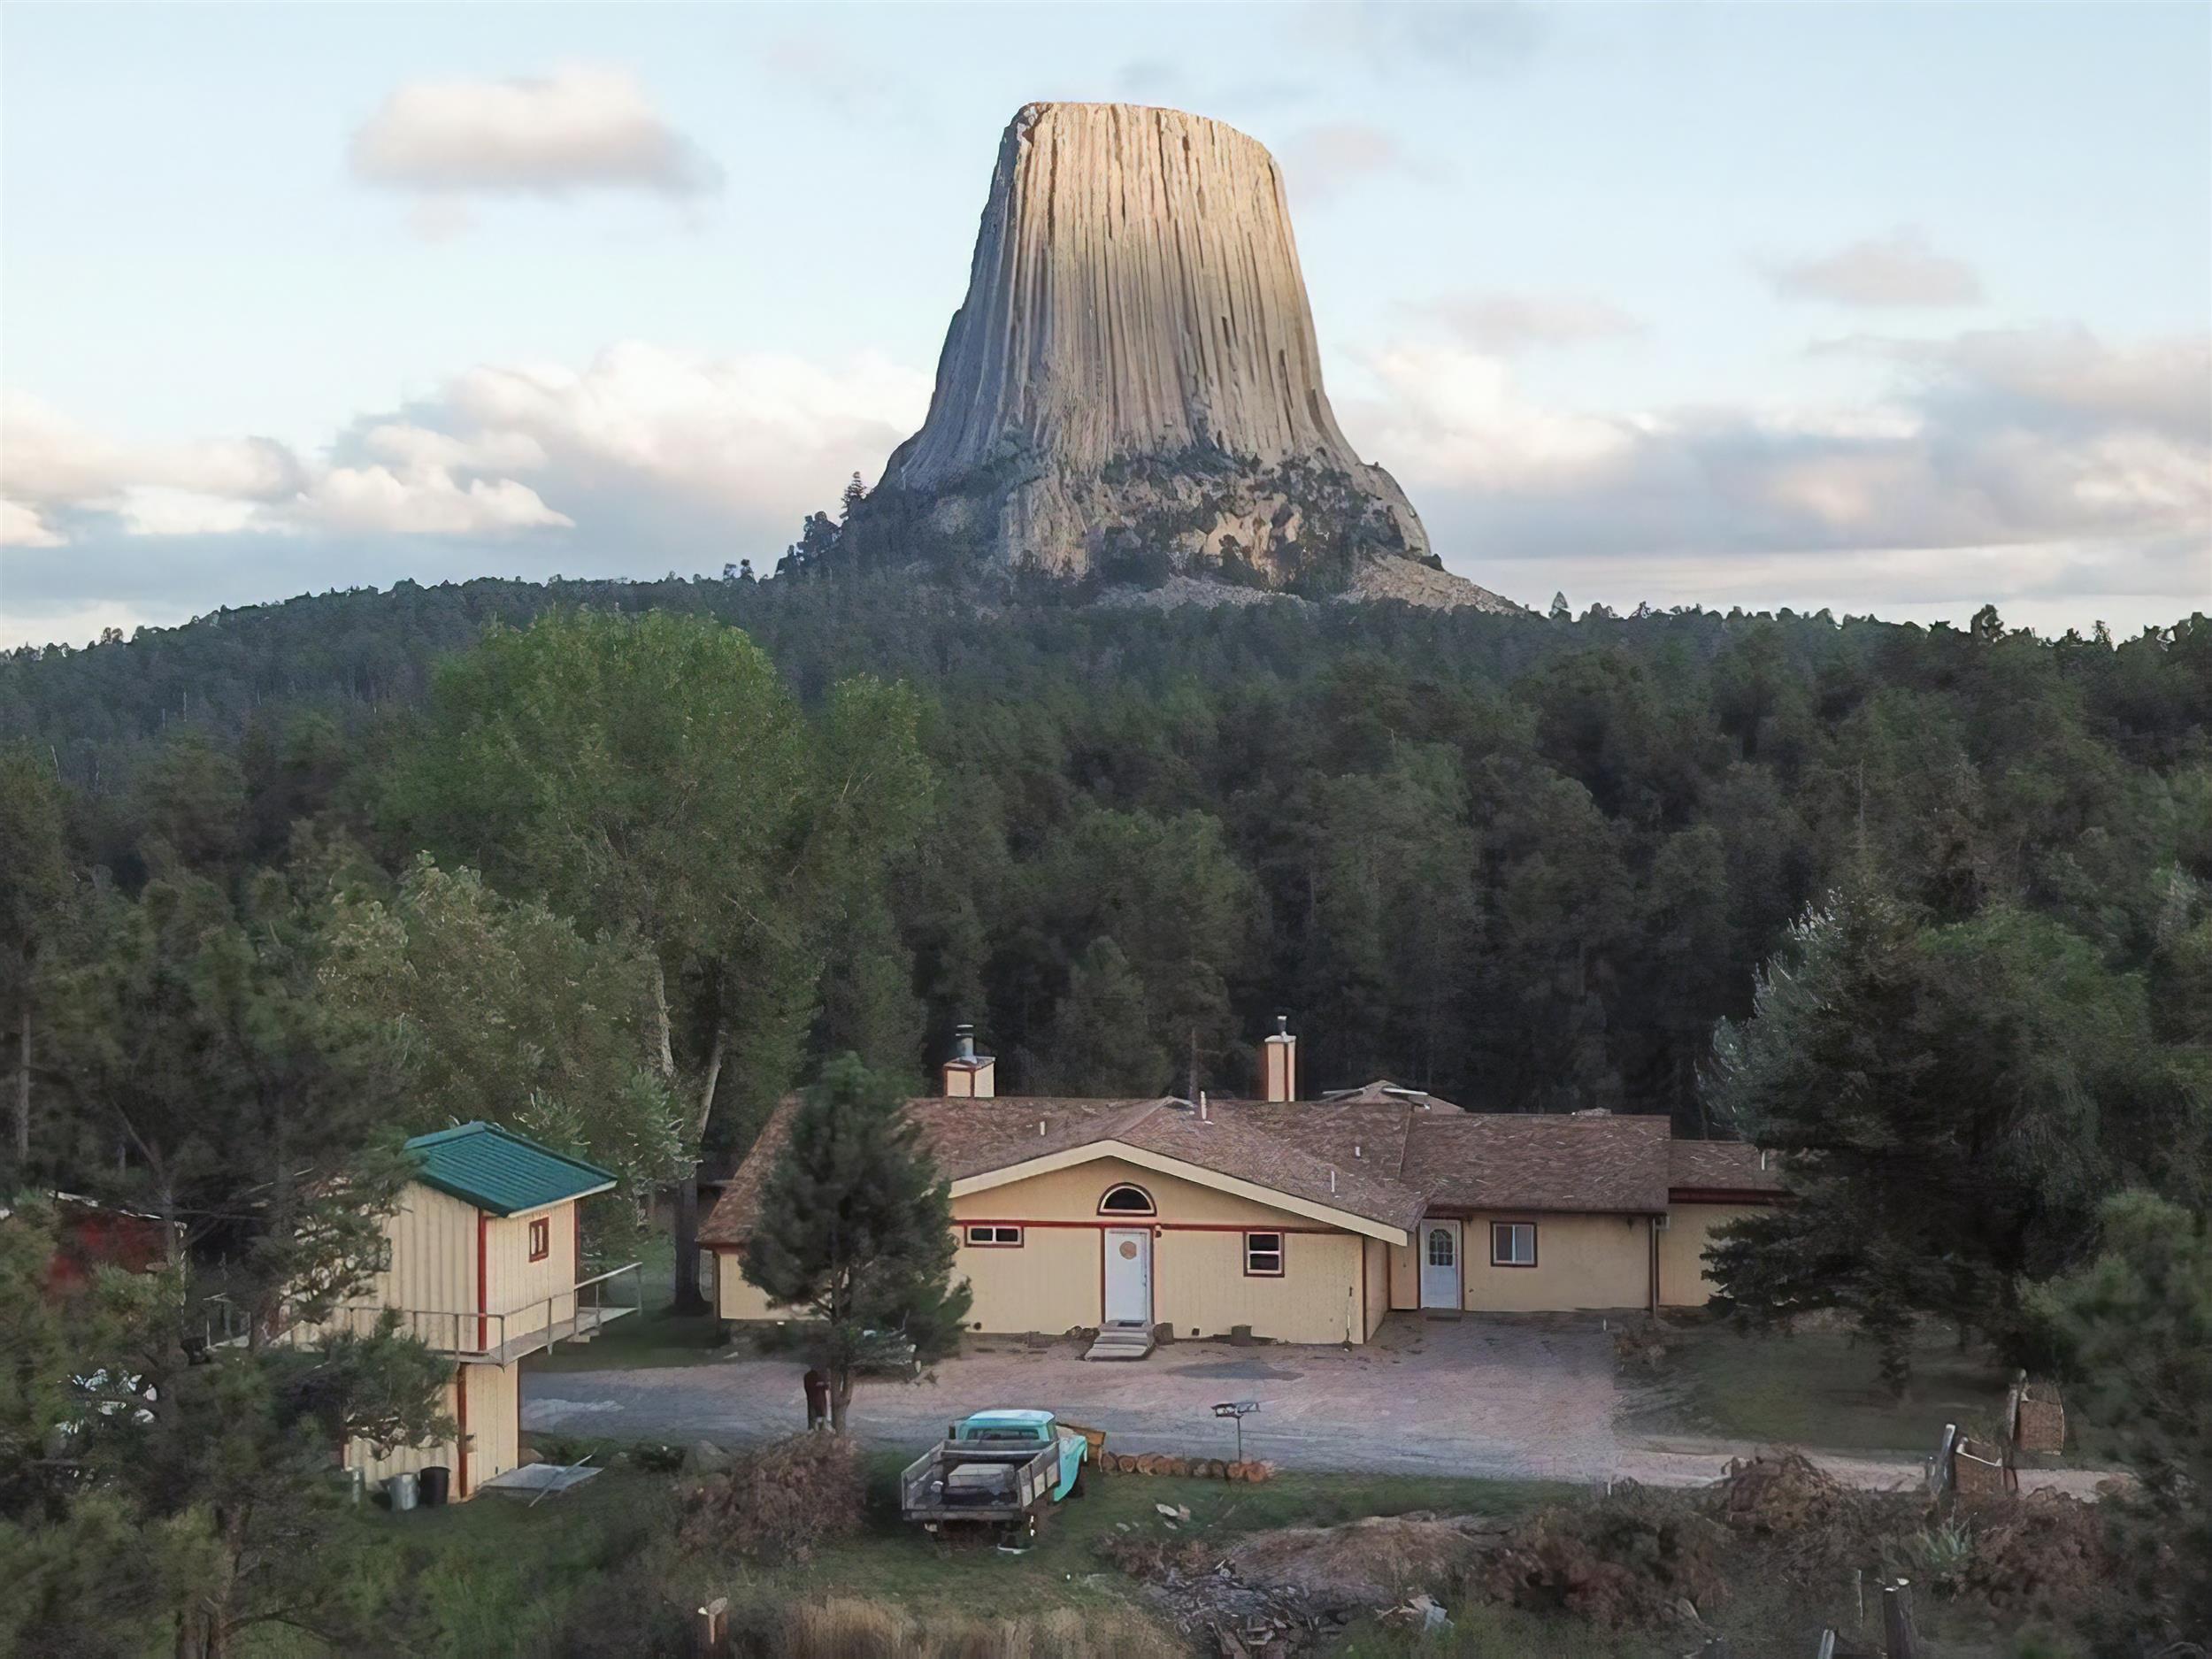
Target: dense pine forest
[
  {"x": 1526, "y": 863},
  {"x": 1925, "y": 912}
]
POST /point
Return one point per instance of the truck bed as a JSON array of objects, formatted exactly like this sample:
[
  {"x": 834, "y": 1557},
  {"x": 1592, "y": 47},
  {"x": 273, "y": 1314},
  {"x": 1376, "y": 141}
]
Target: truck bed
[{"x": 964, "y": 1481}]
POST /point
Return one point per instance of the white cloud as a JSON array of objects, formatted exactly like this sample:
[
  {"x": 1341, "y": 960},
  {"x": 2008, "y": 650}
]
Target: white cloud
[
  {"x": 579, "y": 128},
  {"x": 21, "y": 527},
  {"x": 1899, "y": 269},
  {"x": 1506, "y": 323},
  {"x": 657, "y": 447},
  {"x": 2039, "y": 464}
]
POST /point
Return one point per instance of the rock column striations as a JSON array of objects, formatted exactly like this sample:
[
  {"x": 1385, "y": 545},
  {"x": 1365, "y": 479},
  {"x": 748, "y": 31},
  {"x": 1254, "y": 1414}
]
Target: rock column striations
[{"x": 1133, "y": 383}]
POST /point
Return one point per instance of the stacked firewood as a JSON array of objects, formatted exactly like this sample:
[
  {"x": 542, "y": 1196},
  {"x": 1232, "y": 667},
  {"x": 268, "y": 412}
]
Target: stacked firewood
[{"x": 1202, "y": 1468}]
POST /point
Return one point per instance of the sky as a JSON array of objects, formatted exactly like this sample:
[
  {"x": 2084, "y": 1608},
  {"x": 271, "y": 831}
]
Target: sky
[{"x": 1893, "y": 308}]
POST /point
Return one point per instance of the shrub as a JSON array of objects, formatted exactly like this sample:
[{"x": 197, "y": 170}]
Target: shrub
[{"x": 779, "y": 1501}]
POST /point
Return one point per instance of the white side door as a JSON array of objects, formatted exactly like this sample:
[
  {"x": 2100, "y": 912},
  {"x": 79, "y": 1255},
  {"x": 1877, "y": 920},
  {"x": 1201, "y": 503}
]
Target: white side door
[
  {"x": 1128, "y": 1276},
  {"x": 1440, "y": 1252}
]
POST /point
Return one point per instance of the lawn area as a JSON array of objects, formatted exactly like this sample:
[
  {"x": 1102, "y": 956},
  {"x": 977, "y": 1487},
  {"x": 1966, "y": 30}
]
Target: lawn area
[
  {"x": 498, "y": 1577},
  {"x": 651, "y": 1336},
  {"x": 1817, "y": 1389}
]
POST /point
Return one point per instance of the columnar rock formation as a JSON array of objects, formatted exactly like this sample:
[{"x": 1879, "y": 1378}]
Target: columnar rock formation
[{"x": 1132, "y": 382}]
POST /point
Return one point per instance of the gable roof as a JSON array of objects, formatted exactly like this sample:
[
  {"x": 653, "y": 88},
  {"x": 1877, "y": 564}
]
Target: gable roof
[
  {"x": 1721, "y": 1166},
  {"x": 1549, "y": 1161},
  {"x": 499, "y": 1171}
]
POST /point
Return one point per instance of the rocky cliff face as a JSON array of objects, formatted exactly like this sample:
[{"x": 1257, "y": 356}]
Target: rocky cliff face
[{"x": 1132, "y": 386}]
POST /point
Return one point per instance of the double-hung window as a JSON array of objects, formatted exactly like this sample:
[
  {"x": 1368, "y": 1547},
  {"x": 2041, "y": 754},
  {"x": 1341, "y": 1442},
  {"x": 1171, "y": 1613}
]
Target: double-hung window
[
  {"x": 540, "y": 1239},
  {"x": 1263, "y": 1254},
  {"x": 1512, "y": 1244}
]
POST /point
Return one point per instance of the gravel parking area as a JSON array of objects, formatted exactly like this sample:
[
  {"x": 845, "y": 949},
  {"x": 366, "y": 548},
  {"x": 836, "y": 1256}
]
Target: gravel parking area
[{"x": 1529, "y": 1398}]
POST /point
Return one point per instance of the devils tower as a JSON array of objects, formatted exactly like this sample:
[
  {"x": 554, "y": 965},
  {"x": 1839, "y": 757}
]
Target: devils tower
[{"x": 1132, "y": 385}]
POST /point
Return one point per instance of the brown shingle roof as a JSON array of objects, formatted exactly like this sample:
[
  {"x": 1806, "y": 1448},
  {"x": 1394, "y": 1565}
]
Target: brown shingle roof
[
  {"x": 1384, "y": 1157},
  {"x": 1720, "y": 1166},
  {"x": 1486, "y": 1161}
]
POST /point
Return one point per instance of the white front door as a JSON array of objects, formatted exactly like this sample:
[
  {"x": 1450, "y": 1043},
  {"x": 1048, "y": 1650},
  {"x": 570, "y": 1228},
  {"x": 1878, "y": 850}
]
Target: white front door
[
  {"x": 1128, "y": 1276},
  {"x": 1440, "y": 1264}
]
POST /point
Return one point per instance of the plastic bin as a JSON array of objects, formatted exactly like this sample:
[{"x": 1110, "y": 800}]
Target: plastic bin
[
  {"x": 400, "y": 1490},
  {"x": 436, "y": 1480}
]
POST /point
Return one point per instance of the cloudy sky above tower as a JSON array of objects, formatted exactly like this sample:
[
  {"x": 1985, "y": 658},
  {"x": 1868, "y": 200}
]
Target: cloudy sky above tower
[{"x": 1890, "y": 309}]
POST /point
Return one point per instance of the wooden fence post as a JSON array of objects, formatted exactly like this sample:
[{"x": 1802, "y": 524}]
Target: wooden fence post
[
  {"x": 710, "y": 1628},
  {"x": 1898, "y": 1638},
  {"x": 1858, "y": 1595}
]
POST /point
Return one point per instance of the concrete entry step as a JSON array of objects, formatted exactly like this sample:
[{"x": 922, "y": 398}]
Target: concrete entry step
[{"x": 1121, "y": 1341}]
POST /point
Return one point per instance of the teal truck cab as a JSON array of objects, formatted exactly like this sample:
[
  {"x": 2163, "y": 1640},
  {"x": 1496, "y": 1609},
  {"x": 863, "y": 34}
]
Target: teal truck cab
[{"x": 1003, "y": 1467}]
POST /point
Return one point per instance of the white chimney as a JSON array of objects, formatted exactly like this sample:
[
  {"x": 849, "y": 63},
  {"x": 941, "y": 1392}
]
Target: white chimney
[
  {"x": 969, "y": 1075},
  {"x": 1278, "y": 1063}
]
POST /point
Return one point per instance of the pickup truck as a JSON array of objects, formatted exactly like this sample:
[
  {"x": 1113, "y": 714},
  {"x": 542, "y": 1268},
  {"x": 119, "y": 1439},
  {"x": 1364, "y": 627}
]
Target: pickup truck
[{"x": 1003, "y": 1467}]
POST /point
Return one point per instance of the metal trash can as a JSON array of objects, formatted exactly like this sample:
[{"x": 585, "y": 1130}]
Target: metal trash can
[
  {"x": 434, "y": 1480},
  {"x": 401, "y": 1489}
]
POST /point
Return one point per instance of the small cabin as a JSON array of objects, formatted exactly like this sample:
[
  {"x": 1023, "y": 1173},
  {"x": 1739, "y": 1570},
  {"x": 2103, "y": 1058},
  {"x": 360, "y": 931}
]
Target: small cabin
[{"x": 485, "y": 1264}]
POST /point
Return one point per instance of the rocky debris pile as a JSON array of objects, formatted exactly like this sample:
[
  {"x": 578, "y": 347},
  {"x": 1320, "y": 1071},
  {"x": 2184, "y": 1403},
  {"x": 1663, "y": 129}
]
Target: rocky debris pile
[
  {"x": 1376, "y": 1562},
  {"x": 1424, "y": 584},
  {"x": 1633, "y": 1558}
]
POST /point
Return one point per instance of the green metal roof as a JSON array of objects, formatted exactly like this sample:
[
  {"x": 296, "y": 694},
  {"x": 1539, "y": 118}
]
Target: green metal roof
[{"x": 497, "y": 1170}]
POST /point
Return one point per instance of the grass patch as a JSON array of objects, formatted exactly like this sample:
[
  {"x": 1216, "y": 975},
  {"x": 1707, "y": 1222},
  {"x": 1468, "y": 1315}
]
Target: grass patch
[
  {"x": 1816, "y": 1389},
  {"x": 651, "y": 1337}
]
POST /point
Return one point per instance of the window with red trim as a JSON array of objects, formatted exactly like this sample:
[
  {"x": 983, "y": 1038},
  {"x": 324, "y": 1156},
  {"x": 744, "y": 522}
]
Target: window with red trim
[
  {"x": 993, "y": 1237},
  {"x": 1512, "y": 1244},
  {"x": 540, "y": 1239}
]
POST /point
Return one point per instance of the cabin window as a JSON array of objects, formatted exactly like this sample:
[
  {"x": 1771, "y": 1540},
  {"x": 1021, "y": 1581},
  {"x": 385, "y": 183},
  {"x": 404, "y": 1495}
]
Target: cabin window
[
  {"x": 1512, "y": 1244},
  {"x": 1263, "y": 1254},
  {"x": 994, "y": 1236},
  {"x": 540, "y": 1239},
  {"x": 1127, "y": 1200}
]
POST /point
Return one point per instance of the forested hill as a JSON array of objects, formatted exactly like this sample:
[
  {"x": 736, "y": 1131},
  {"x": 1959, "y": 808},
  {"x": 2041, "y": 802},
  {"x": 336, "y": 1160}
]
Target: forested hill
[{"x": 1525, "y": 861}]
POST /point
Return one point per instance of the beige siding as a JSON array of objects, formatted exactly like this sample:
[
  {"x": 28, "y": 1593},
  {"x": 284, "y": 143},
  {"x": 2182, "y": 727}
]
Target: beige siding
[
  {"x": 493, "y": 1414},
  {"x": 1682, "y": 1279},
  {"x": 733, "y": 1298},
  {"x": 1073, "y": 1194},
  {"x": 1200, "y": 1287},
  {"x": 1404, "y": 1277},
  {"x": 431, "y": 1275},
  {"x": 1049, "y": 1282},
  {"x": 1581, "y": 1261},
  {"x": 1375, "y": 1258},
  {"x": 495, "y": 1405},
  {"x": 531, "y": 1295}
]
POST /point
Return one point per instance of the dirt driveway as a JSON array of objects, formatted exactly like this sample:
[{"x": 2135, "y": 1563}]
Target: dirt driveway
[
  {"x": 1473, "y": 1397},
  {"x": 1531, "y": 1399}
]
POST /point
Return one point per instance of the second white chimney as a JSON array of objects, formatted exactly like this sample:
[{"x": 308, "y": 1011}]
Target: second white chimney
[{"x": 1278, "y": 1063}]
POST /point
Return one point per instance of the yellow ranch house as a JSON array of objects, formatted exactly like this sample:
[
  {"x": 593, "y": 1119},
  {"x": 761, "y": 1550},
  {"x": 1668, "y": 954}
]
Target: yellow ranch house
[{"x": 1300, "y": 1220}]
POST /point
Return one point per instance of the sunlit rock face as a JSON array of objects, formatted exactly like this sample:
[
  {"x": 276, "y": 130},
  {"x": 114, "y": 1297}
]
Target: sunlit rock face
[{"x": 1132, "y": 386}]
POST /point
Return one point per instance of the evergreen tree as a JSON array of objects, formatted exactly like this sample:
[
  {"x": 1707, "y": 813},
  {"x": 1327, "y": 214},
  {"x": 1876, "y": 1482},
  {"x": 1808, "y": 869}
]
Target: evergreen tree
[
  {"x": 1947, "y": 1103},
  {"x": 848, "y": 502},
  {"x": 855, "y": 1232},
  {"x": 1102, "y": 1041},
  {"x": 2135, "y": 1328}
]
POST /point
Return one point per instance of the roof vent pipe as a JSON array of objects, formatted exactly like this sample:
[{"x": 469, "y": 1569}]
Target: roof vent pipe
[
  {"x": 1201, "y": 1106},
  {"x": 1041, "y": 1129},
  {"x": 964, "y": 1042},
  {"x": 1332, "y": 1178}
]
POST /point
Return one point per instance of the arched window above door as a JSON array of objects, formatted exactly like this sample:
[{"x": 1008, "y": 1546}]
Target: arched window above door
[{"x": 1127, "y": 1200}]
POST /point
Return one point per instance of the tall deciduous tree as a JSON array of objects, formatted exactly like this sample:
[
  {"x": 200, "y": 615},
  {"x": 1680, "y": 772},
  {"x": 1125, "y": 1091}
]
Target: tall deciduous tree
[
  {"x": 654, "y": 775},
  {"x": 34, "y": 883},
  {"x": 502, "y": 1009},
  {"x": 855, "y": 1231}
]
